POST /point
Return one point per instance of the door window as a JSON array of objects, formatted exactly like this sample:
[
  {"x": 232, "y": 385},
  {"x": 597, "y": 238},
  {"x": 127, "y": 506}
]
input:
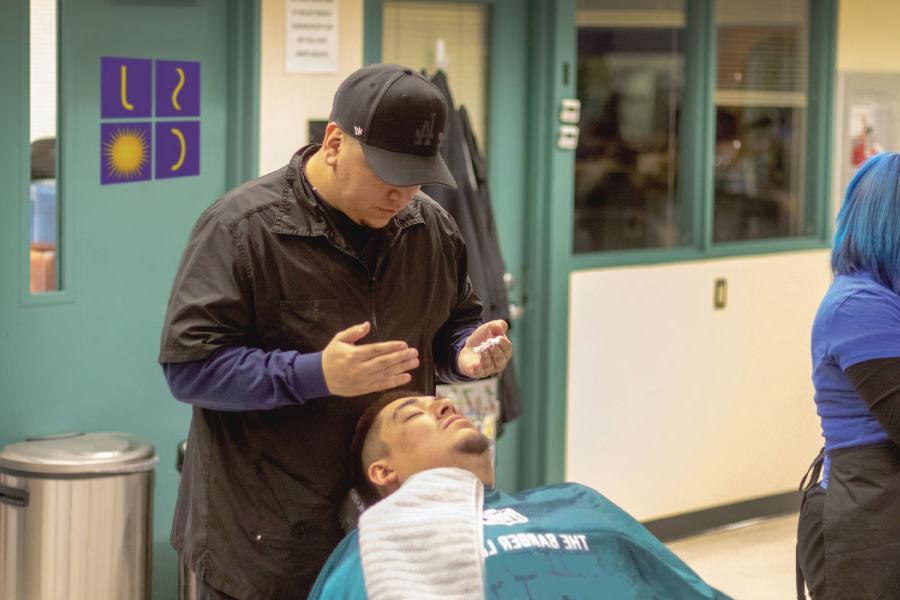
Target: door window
[{"x": 44, "y": 190}]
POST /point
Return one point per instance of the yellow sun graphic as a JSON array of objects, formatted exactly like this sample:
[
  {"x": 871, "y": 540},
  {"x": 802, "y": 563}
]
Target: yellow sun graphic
[{"x": 126, "y": 153}]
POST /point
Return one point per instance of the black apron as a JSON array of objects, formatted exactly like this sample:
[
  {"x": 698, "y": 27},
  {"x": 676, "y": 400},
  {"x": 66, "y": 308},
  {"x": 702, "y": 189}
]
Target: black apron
[{"x": 848, "y": 536}]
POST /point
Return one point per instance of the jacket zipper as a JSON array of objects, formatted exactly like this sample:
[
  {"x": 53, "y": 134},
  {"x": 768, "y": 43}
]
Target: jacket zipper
[
  {"x": 381, "y": 257},
  {"x": 372, "y": 302},
  {"x": 371, "y": 274}
]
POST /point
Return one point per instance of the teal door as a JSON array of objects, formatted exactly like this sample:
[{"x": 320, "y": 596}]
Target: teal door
[
  {"x": 487, "y": 62},
  {"x": 83, "y": 358}
]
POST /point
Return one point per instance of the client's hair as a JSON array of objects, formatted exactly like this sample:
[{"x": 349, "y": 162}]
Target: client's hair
[{"x": 367, "y": 446}]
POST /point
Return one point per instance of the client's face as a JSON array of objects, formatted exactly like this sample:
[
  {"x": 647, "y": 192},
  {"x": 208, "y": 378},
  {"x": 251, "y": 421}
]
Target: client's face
[{"x": 425, "y": 432}]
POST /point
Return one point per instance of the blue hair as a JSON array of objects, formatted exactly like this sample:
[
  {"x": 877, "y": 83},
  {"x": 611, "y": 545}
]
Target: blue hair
[{"x": 867, "y": 237}]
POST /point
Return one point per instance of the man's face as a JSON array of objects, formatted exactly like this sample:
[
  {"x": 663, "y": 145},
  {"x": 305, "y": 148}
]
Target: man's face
[
  {"x": 365, "y": 198},
  {"x": 425, "y": 432}
]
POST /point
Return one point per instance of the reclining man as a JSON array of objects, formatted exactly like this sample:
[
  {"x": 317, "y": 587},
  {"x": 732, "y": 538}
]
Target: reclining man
[{"x": 439, "y": 529}]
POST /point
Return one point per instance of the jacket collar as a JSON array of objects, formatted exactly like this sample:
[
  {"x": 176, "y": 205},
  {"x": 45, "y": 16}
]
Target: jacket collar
[{"x": 300, "y": 214}]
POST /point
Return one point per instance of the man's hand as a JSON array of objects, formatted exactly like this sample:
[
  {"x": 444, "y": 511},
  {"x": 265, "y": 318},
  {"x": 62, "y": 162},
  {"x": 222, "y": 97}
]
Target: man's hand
[
  {"x": 493, "y": 358},
  {"x": 352, "y": 370}
]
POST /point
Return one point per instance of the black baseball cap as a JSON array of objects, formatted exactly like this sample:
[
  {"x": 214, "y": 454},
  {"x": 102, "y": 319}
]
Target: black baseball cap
[{"x": 398, "y": 116}]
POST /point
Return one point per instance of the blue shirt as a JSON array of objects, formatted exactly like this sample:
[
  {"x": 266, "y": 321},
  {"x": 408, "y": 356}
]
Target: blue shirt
[
  {"x": 238, "y": 378},
  {"x": 560, "y": 541},
  {"x": 858, "y": 320}
]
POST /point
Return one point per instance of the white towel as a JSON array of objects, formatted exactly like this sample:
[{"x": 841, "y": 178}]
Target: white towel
[{"x": 425, "y": 541}]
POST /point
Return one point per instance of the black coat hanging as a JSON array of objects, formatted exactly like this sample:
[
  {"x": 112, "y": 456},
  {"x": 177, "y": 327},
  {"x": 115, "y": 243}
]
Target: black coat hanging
[{"x": 470, "y": 206}]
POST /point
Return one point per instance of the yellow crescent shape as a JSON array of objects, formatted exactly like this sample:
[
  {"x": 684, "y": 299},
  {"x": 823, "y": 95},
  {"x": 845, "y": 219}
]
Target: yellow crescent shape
[
  {"x": 177, "y": 133},
  {"x": 124, "y": 90},
  {"x": 178, "y": 88}
]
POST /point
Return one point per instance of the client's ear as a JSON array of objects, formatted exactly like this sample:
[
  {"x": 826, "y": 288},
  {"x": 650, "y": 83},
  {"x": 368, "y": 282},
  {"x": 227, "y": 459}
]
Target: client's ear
[{"x": 382, "y": 475}]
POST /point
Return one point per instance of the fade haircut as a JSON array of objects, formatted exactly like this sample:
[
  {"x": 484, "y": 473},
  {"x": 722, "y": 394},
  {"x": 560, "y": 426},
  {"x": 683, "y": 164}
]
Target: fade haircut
[
  {"x": 367, "y": 446},
  {"x": 867, "y": 237}
]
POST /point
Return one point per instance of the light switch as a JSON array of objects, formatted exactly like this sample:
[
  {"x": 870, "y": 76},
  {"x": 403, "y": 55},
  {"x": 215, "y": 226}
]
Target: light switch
[
  {"x": 570, "y": 111},
  {"x": 568, "y": 137}
]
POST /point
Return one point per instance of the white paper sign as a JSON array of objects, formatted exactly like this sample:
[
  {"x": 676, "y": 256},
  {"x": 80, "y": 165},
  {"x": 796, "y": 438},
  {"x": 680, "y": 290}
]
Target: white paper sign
[{"x": 312, "y": 36}]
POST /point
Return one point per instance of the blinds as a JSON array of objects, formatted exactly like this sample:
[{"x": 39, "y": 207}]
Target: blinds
[
  {"x": 762, "y": 52},
  {"x": 409, "y": 37},
  {"x": 632, "y": 5},
  {"x": 630, "y": 13},
  {"x": 762, "y": 58}
]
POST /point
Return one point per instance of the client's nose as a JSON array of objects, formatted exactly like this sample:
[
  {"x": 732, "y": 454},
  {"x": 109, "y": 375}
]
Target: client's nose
[{"x": 443, "y": 407}]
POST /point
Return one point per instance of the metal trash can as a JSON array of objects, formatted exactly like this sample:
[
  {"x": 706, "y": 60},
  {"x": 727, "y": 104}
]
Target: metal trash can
[
  {"x": 76, "y": 517},
  {"x": 187, "y": 579}
]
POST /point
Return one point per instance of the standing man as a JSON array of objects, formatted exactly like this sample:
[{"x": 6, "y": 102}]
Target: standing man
[{"x": 297, "y": 294}]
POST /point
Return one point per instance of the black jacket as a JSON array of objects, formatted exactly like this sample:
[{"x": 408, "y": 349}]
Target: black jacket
[
  {"x": 257, "y": 508},
  {"x": 470, "y": 206}
]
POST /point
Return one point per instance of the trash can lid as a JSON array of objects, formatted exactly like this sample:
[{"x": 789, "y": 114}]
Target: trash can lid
[{"x": 79, "y": 454}]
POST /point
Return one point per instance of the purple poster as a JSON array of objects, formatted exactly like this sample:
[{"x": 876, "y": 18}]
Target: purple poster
[
  {"x": 177, "y": 88},
  {"x": 177, "y": 149},
  {"x": 125, "y": 151},
  {"x": 126, "y": 87}
]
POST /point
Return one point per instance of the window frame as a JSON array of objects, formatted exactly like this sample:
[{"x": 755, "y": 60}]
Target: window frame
[
  {"x": 65, "y": 294},
  {"x": 696, "y": 147}
]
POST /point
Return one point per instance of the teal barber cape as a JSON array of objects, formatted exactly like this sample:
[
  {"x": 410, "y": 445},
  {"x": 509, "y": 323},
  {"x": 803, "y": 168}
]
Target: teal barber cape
[{"x": 554, "y": 542}]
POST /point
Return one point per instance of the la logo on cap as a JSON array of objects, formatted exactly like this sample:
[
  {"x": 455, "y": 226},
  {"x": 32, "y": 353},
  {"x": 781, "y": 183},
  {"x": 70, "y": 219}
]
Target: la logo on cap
[{"x": 425, "y": 133}]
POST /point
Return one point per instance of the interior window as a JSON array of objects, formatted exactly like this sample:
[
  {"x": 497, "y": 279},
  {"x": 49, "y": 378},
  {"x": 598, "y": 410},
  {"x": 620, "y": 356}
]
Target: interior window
[
  {"x": 761, "y": 82},
  {"x": 630, "y": 79}
]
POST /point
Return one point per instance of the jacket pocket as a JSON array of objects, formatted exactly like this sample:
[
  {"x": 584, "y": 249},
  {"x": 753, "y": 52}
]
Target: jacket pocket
[{"x": 307, "y": 325}]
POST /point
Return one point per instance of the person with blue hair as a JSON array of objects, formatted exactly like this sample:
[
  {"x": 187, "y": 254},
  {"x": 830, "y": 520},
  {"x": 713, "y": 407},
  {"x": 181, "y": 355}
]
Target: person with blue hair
[{"x": 848, "y": 537}]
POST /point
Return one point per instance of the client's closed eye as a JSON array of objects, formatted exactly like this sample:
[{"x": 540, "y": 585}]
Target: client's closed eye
[{"x": 413, "y": 415}]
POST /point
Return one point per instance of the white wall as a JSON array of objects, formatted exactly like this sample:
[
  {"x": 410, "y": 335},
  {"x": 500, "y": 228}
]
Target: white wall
[
  {"x": 867, "y": 35},
  {"x": 288, "y": 101},
  {"x": 675, "y": 406}
]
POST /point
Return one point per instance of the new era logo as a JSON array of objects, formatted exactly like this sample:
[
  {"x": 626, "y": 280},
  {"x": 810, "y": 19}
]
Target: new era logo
[
  {"x": 357, "y": 130},
  {"x": 425, "y": 133}
]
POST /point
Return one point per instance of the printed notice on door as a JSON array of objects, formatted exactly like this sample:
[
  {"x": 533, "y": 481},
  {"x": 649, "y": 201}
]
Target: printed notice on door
[{"x": 311, "y": 36}]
